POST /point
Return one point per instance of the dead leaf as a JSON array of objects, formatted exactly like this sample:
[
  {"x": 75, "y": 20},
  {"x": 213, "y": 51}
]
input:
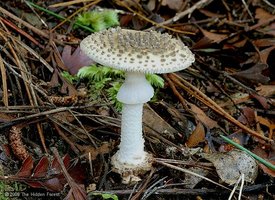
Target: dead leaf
[
  {"x": 265, "y": 42},
  {"x": 268, "y": 123},
  {"x": 173, "y": 4},
  {"x": 268, "y": 171},
  {"x": 190, "y": 180},
  {"x": 266, "y": 90},
  {"x": 155, "y": 122},
  {"x": 64, "y": 116},
  {"x": 214, "y": 37},
  {"x": 254, "y": 74},
  {"x": 152, "y": 120},
  {"x": 151, "y": 5},
  {"x": 264, "y": 54},
  {"x": 270, "y": 157},
  {"x": 76, "y": 192},
  {"x": 211, "y": 14},
  {"x": 262, "y": 100},
  {"x": 26, "y": 168},
  {"x": 94, "y": 152},
  {"x": 262, "y": 15},
  {"x": 74, "y": 61},
  {"x": 237, "y": 137},
  {"x": 247, "y": 117},
  {"x": 197, "y": 136},
  {"x": 53, "y": 185},
  {"x": 202, "y": 117},
  {"x": 41, "y": 168},
  {"x": 231, "y": 165}
]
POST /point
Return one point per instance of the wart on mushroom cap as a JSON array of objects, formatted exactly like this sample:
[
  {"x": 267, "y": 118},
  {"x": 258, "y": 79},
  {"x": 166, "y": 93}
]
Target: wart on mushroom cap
[{"x": 136, "y": 52}]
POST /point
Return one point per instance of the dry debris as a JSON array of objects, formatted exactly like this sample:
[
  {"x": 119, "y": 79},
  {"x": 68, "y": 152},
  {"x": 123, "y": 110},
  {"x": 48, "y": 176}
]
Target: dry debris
[{"x": 229, "y": 90}]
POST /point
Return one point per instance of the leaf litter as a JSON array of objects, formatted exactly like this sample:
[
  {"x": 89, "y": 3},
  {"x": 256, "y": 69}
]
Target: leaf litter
[{"x": 42, "y": 109}]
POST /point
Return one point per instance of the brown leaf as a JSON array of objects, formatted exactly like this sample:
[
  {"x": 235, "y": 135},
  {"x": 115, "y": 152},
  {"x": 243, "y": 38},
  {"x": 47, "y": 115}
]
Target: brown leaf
[
  {"x": 202, "y": 117},
  {"x": 41, "y": 168},
  {"x": 94, "y": 152},
  {"x": 155, "y": 122},
  {"x": 74, "y": 61},
  {"x": 247, "y": 117},
  {"x": 26, "y": 168},
  {"x": 56, "y": 166},
  {"x": 214, "y": 37},
  {"x": 254, "y": 74},
  {"x": 173, "y": 4},
  {"x": 268, "y": 171},
  {"x": 53, "y": 185},
  {"x": 34, "y": 184},
  {"x": 197, "y": 136},
  {"x": 211, "y": 14},
  {"x": 78, "y": 172},
  {"x": 262, "y": 15},
  {"x": 77, "y": 192},
  {"x": 262, "y": 100},
  {"x": 266, "y": 42},
  {"x": 64, "y": 116},
  {"x": 264, "y": 54},
  {"x": 266, "y": 90},
  {"x": 237, "y": 137}
]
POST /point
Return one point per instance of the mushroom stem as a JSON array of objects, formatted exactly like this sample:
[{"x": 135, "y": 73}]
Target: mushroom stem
[
  {"x": 131, "y": 148},
  {"x": 134, "y": 92}
]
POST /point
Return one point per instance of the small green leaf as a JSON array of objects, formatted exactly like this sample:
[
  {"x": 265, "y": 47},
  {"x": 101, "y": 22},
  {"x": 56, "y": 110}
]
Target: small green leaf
[{"x": 106, "y": 195}]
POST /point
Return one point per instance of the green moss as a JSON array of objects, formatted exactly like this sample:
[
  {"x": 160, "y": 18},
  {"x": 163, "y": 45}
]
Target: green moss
[
  {"x": 105, "y": 81},
  {"x": 98, "y": 20}
]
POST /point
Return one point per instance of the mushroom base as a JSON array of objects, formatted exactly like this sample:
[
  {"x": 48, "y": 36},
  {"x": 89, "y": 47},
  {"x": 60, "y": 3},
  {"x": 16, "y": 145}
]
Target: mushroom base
[{"x": 129, "y": 172}]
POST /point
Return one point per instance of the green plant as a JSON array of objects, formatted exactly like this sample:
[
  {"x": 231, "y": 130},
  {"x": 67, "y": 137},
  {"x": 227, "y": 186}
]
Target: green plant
[
  {"x": 104, "y": 195},
  {"x": 108, "y": 80},
  {"x": 98, "y": 20},
  {"x": 70, "y": 78}
]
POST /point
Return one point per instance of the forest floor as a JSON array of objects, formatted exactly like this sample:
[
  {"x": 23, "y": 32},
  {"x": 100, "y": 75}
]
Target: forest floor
[{"x": 210, "y": 127}]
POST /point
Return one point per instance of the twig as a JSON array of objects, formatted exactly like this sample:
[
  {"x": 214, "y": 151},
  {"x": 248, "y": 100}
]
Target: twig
[
  {"x": 152, "y": 188},
  {"x": 213, "y": 105},
  {"x": 176, "y": 92},
  {"x": 121, "y": 3},
  {"x": 69, "y": 3},
  {"x": 180, "y": 15},
  {"x": 4, "y": 82},
  {"x": 247, "y": 9},
  {"x": 60, "y": 132},
  {"x": 26, "y": 80},
  {"x": 35, "y": 30},
  {"x": 58, "y": 16},
  {"x": 75, "y": 13},
  {"x": 235, "y": 186},
  {"x": 18, "y": 120},
  {"x": 170, "y": 192},
  {"x": 22, "y": 32},
  {"x": 137, "y": 195},
  {"x": 191, "y": 173}
]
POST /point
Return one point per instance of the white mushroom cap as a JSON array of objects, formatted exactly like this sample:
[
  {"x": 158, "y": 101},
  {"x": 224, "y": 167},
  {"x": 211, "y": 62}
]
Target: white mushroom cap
[{"x": 137, "y": 51}]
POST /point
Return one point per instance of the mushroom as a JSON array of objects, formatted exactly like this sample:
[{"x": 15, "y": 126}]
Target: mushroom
[{"x": 137, "y": 53}]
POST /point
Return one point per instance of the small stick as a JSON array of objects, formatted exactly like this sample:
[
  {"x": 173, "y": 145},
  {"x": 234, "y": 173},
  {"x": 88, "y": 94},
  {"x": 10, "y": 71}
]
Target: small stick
[
  {"x": 190, "y": 172},
  {"x": 180, "y": 15},
  {"x": 214, "y": 106}
]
